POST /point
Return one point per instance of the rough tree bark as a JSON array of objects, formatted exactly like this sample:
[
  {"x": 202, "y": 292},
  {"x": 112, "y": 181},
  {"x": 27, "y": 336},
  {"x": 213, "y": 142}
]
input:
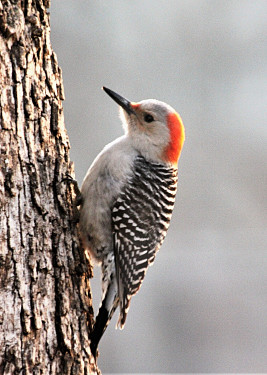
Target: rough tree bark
[{"x": 45, "y": 302}]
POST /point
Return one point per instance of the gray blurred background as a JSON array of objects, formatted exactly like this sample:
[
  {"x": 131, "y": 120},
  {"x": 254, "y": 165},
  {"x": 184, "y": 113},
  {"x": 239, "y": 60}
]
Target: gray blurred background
[{"x": 203, "y": 304}]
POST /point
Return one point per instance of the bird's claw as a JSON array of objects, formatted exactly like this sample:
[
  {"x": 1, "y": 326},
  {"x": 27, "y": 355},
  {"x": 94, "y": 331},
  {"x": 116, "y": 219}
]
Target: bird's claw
[{"x": 70, "y": 179}]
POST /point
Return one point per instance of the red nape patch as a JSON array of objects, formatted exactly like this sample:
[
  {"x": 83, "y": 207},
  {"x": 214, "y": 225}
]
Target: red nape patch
[{"x": 177, "y": 137}]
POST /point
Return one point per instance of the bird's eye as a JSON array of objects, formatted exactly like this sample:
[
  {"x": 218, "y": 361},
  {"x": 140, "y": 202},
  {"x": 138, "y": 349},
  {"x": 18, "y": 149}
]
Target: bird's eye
[{"x": 148, "y": 117}]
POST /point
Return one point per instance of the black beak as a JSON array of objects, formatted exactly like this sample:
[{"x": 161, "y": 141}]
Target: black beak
[{"x": 124, "y": 103}]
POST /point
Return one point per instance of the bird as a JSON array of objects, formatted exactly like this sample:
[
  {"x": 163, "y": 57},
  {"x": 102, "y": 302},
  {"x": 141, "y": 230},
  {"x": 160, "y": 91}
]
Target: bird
[{"x": 127, "y": 199}]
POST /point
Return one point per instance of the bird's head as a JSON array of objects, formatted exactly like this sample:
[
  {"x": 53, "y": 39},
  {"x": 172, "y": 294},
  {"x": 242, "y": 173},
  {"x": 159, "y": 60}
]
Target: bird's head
[{"x": 156, "y": 130}]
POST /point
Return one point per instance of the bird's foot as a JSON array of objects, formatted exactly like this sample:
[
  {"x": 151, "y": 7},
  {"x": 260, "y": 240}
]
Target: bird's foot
[{"x": 78, "y": 199}]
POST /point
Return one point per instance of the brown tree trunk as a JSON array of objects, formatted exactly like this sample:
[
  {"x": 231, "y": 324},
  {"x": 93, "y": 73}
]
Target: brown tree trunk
[{"x": 45, "y": 303}]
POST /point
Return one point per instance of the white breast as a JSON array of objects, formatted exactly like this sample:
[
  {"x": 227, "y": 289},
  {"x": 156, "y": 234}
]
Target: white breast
[{"x": 102, "y": 184}]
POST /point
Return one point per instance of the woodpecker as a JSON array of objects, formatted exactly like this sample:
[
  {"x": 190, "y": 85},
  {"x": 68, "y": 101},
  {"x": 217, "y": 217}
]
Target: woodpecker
[{"x": 128, "y": 197}]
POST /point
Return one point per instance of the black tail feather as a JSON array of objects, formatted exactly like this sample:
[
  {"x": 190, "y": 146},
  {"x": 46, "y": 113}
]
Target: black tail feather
[
  {"x": 99, "y": 328},
  {"x": 102, "y": 321}
]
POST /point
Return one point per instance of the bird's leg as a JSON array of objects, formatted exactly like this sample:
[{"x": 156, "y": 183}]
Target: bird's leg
[
  {"x": 78, "y": 199},
  {"x": 70, "y": 179}
]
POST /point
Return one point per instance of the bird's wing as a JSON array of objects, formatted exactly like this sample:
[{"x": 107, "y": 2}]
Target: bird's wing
[{"x": 141, "y": 217}]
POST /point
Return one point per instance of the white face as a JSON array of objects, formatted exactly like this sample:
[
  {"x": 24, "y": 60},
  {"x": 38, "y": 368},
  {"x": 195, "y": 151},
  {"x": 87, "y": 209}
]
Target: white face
[{"x": 148, "y": 128}]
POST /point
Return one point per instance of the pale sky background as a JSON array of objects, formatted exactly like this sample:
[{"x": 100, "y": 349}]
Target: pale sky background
[{"x": 203, "y": 304}]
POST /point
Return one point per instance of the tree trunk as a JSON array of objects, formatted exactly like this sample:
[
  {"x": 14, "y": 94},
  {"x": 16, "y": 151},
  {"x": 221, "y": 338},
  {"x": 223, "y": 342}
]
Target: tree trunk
[{"x": 45, "y": 302}]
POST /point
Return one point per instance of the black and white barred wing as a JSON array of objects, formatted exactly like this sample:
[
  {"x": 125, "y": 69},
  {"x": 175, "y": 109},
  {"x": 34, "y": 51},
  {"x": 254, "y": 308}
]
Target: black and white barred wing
[{"x": 141, "y": 217}]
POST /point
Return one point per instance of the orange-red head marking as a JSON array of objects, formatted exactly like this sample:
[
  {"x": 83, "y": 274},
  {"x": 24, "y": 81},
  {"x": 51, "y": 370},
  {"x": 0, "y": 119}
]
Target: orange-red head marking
[{"x": 177, "y": 137}]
